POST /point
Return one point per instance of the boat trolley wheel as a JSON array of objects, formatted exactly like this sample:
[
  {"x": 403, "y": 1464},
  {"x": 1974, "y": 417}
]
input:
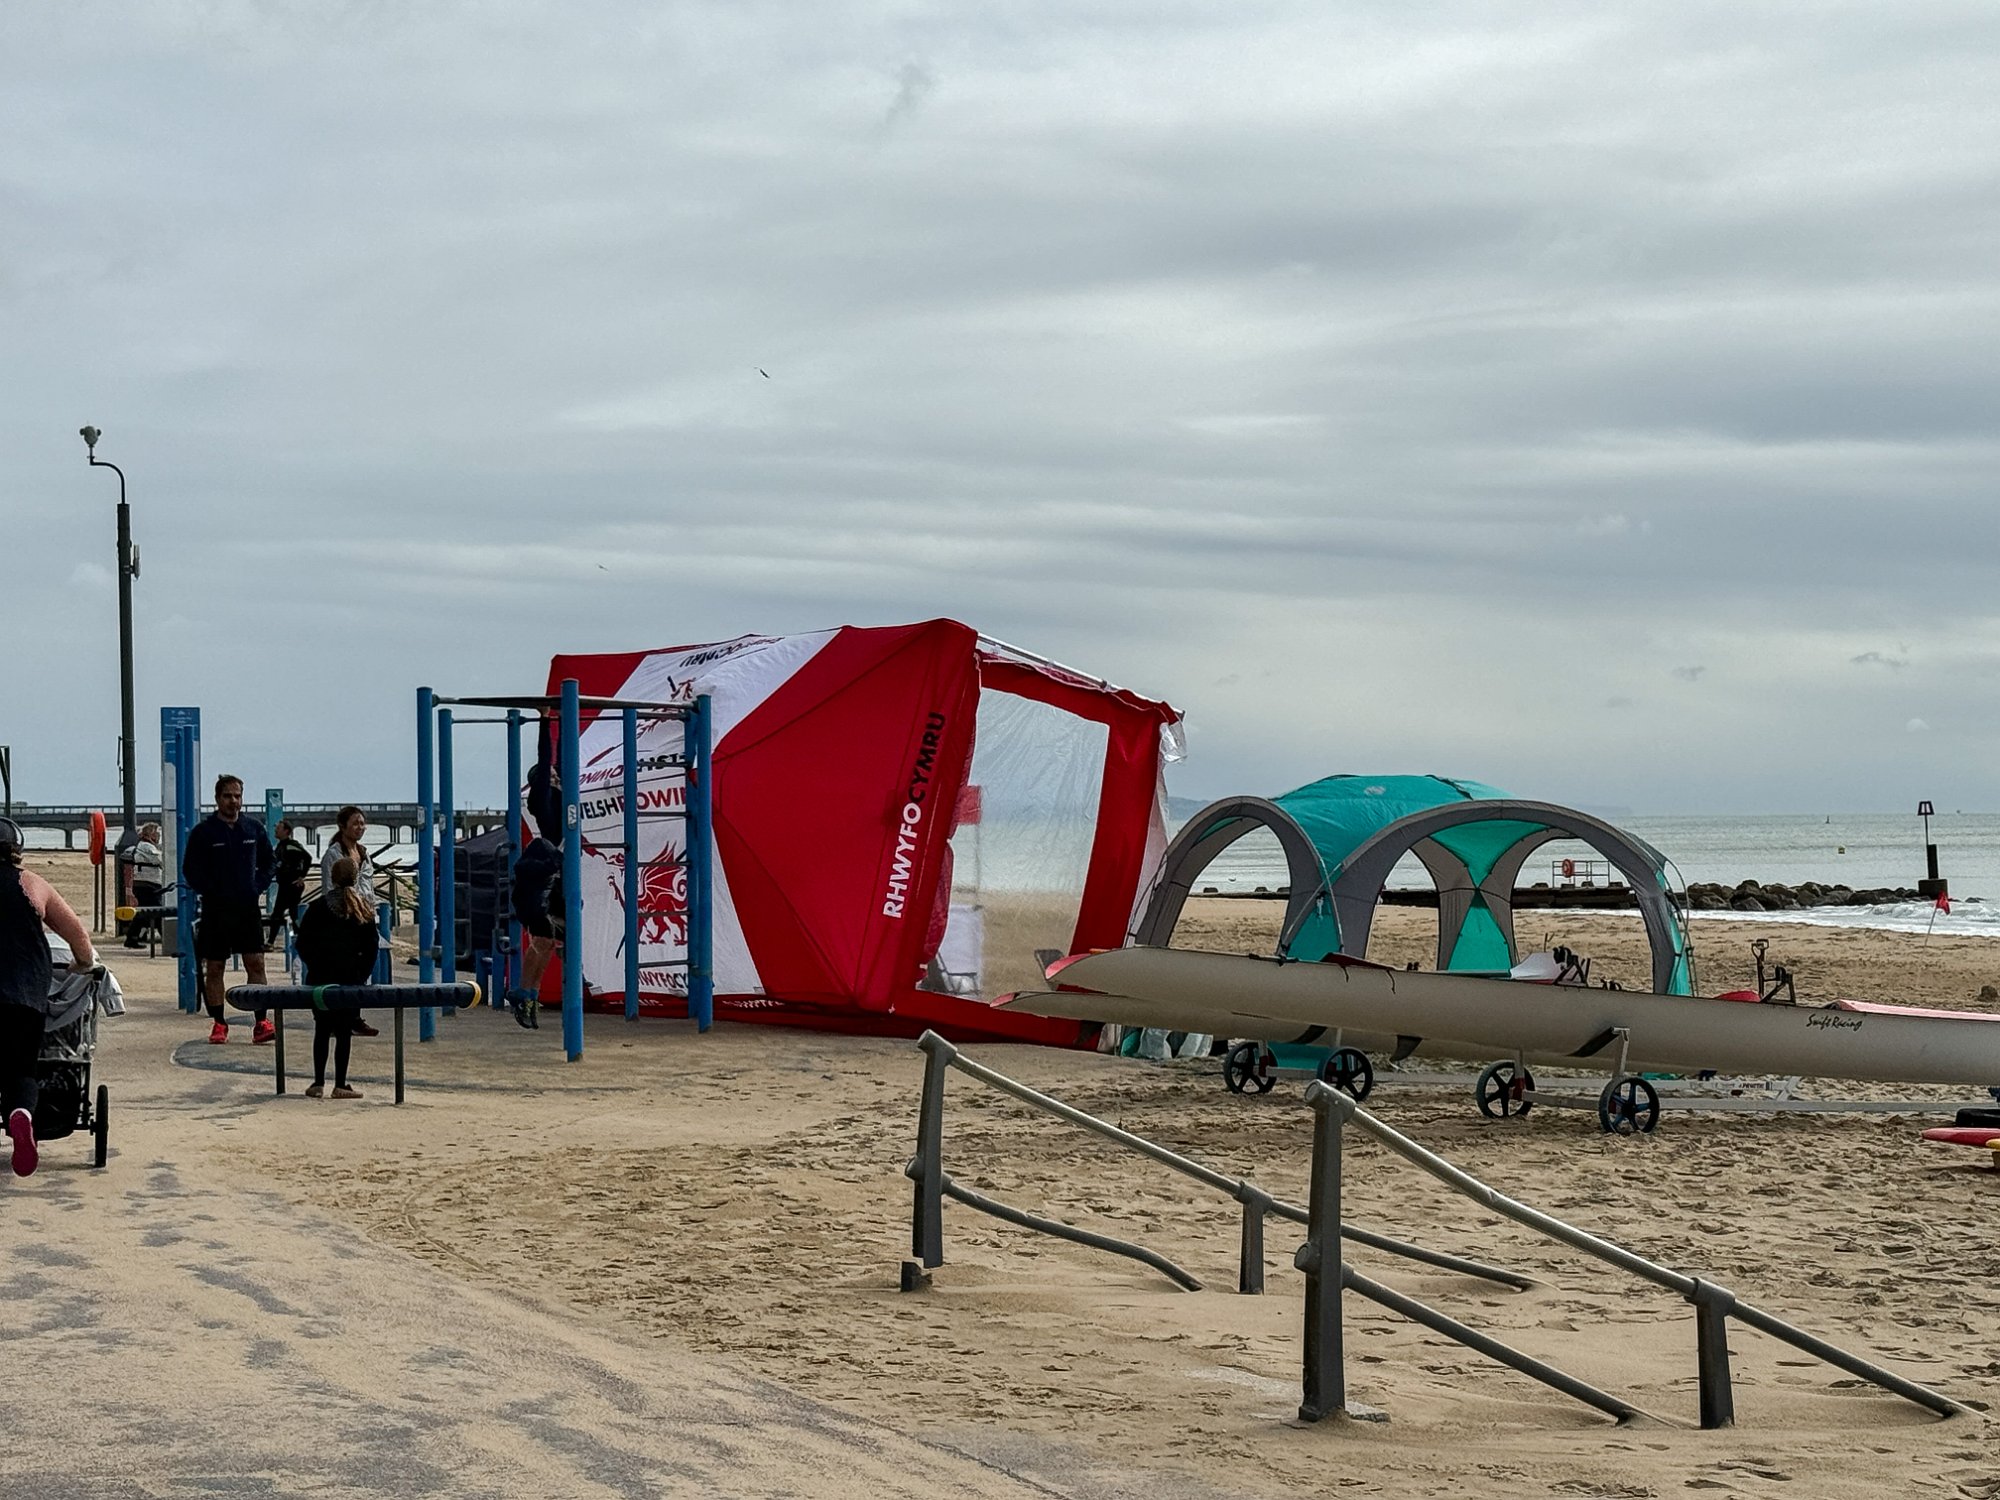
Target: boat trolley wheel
[
  {"x": 1349, "y": 1070},
  {"x": 1628, "y": 1106},
  {"x": 1502, "y": 1090},
  {"x": 1247, "y": 1068}
]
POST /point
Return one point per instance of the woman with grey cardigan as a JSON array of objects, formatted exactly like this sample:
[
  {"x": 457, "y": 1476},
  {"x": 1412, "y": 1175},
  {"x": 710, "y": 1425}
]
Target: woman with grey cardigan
[{"x": 346, "y": 843}]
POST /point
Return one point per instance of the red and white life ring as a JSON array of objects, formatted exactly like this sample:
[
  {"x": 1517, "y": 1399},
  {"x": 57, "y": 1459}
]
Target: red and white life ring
[
  {"x": 97, "y": 838},
  {"x": 1569, "y": 869}
]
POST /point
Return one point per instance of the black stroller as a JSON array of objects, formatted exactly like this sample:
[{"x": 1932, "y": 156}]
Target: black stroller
[{"x": 77, "y": 997}]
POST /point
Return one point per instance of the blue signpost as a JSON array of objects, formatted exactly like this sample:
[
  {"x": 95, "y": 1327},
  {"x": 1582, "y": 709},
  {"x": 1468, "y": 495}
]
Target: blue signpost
[{"x": 180, "y": 807}]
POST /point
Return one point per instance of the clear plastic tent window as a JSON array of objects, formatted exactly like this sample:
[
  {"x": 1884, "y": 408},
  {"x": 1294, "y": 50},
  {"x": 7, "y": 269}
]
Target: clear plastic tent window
[{"x": 1022, "y": 849}]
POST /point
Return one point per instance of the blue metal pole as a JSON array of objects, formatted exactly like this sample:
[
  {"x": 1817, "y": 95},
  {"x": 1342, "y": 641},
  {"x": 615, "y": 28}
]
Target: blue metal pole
[
  {"x": 426, "y": 865},
  {"x": 697, "y": 755},
  {"x": 511, "y": 962},
  {"x": 572, "y": 868},
  {"x": 632, "y": 882},
  {"x": 448, "y": 855},
  {"x": 186, "y": 807}
]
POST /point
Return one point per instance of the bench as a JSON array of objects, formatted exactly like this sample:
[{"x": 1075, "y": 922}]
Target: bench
[{"x": 279, "y": 998}]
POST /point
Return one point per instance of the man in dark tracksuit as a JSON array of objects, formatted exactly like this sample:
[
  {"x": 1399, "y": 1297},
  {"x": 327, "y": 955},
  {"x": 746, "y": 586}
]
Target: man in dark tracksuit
[{"x": 228, "y": 865}]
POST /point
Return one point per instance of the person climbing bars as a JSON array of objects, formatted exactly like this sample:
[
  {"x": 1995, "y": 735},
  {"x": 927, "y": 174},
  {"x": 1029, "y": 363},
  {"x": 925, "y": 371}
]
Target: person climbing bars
[
  {"x": 537, "y": 902},
  {"x": 294, "y": 863}
]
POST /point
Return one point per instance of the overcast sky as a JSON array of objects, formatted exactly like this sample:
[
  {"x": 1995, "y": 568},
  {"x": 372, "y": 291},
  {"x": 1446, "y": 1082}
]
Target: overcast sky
[{"x": 1595, "y": 401}]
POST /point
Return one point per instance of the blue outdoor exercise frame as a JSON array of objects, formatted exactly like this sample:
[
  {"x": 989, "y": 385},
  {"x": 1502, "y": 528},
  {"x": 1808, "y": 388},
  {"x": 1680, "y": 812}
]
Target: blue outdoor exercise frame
[{"x": 436, "y": 807}]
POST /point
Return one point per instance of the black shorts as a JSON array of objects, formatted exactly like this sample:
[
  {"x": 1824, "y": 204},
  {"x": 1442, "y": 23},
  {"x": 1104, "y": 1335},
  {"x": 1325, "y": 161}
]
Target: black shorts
[
  {"x": 227, "y": 928},
  {"x": 539, "y": 925}
]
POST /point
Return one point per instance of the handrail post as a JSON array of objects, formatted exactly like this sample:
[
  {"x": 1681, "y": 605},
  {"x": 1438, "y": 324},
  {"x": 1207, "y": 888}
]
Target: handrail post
[
  {"x": 1711, "y": 1341},
  {"x": 1325, "y": 1382},
  {"x": 1250, "y": 1266},
  {"x": 927, "y": 1167}
]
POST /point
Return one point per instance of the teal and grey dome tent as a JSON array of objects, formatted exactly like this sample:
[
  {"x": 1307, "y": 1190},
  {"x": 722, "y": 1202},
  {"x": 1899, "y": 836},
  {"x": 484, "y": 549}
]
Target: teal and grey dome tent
[{"x": 1342, "y": 835}]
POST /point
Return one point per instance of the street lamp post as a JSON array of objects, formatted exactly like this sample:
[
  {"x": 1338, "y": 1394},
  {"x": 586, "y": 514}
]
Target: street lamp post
[{"x": 128, "y": 569}]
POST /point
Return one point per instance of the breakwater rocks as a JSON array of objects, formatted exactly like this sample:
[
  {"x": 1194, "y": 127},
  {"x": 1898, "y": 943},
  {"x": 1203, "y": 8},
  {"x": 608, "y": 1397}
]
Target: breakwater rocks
[{"x": 1750, "y": 895}]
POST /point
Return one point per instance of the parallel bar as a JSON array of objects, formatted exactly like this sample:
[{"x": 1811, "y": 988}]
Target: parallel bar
[
  {"x": 552, "y": 703},
  {"x": 1069, "y": 1232},
  {"x": 632, "y": 860},
  {"x": 399, "y": 1056},
  {"x": 572, "y": 869},
  {"x": 1472, "y": 1338},
  {"x": 351, "y": 996},
  {"x": 278, "y": 1047}
]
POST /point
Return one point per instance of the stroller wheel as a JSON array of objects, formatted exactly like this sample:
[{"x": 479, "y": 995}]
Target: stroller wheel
[{"x": 100, "y": 1126}]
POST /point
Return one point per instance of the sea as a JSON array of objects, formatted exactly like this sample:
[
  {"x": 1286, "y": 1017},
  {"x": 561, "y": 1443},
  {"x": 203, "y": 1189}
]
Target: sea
[{"x": 1860, "y": 850}]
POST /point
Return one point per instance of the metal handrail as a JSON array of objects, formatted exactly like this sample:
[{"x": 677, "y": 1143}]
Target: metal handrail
[
  {"x": 932, "y": 1186},
  {"x": 1319, "y": 1258}
]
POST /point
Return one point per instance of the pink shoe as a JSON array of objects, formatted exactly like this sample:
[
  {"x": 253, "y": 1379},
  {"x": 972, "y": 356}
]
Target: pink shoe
[{"x": 21, "y": 1126}]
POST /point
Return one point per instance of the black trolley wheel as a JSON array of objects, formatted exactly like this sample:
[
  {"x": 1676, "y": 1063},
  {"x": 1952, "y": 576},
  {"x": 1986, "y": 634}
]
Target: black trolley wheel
[
  {"x": 1628, "y": 1106},
  {"x": 1246, "y": 1069},
  {"x": 100, "y": 1125},
  {"x": 1501, "y": 1089},
  {"x": 1349, "y": 1070}
]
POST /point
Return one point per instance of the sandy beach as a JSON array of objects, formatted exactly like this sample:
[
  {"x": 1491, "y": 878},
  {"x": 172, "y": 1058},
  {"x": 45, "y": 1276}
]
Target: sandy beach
[{"x": 672, "y": 1268}]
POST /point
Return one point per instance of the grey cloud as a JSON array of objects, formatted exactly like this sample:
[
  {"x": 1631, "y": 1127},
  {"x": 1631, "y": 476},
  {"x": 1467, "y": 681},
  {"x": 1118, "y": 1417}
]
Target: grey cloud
[
  {"x": 1877, "y": 659},
  {"x": 914, "y": 84},
  {"x": 1163, "y": 342}
]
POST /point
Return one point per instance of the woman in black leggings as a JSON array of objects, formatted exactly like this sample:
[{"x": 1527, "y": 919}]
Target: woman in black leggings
[
  {"x": 336, "y": 941},
  {"x": 27, "y": 902}
]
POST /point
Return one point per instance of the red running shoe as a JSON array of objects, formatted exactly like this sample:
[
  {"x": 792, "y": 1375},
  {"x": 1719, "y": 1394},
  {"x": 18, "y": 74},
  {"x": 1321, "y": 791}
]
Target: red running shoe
[
  {"x": 362, "y": 1028},
  {"x": 263, "y": 1031},
  {"x": 21, "y": 1126},
  {"x": 219, "y": 1033}
]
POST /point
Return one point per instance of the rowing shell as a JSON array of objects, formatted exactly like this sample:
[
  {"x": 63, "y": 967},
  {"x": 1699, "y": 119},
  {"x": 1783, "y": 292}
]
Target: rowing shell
[{"x": 1456, "y": 1015}]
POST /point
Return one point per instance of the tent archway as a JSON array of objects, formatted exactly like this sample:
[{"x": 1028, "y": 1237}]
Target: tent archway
[
  {"x": 1330, "y": 906},
  {"x": 1204, "y": 837}
]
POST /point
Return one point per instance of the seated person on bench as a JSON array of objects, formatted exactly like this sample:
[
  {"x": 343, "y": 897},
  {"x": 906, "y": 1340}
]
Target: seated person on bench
[{"x": 336, "y": 941}]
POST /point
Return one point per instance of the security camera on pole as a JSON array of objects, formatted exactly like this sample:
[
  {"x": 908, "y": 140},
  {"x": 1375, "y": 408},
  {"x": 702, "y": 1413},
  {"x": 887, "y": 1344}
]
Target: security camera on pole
[{"x": 128, "y": 569}]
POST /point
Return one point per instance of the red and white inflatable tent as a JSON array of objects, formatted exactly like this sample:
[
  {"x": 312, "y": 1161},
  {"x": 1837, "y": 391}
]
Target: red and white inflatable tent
[{"x": 903, "y": 816}]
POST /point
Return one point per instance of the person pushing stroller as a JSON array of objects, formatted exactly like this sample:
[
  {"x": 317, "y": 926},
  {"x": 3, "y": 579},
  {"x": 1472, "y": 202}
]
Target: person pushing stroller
[{"x": 27, "y": 903}]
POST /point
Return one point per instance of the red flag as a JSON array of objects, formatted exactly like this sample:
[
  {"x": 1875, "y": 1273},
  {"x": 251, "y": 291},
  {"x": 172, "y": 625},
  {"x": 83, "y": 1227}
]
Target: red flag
[
  {"x": 970, "y": 805},
  {"x": 1944, "y": 901}
]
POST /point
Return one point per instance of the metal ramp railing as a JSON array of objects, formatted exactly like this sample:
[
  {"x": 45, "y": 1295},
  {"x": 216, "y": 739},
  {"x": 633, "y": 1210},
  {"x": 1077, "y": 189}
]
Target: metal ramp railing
[
  {"x": 933, "y": 1185},
  {"x": 1328, "y": 1275}
]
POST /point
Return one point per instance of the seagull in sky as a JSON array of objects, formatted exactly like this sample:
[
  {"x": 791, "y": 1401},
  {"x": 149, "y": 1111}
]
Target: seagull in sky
[{"x": 765, "y": 373}]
